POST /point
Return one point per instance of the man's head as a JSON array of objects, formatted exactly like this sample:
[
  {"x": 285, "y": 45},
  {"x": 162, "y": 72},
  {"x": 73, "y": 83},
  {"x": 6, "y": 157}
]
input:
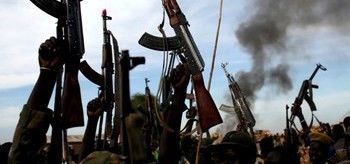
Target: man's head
[
  {"x": 320, "y": 145},
  {"x": 346, "y": 122},
  {"x": 266, "y": 145},
  {"x": 235, "y": 147},
  {"x": 277, "y": 155}
]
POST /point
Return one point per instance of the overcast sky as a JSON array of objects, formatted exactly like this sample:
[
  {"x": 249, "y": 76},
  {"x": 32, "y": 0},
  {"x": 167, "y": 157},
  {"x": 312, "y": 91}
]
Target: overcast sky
[{"x": 270, "y": 47}]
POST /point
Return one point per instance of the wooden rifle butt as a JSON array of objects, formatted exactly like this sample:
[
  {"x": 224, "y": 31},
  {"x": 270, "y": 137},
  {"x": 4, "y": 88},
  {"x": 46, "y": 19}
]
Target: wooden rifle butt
[{"x": 208, "y": 113}]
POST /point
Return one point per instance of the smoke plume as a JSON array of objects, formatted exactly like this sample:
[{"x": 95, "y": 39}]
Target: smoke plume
[{"x": 264, "y": 35}]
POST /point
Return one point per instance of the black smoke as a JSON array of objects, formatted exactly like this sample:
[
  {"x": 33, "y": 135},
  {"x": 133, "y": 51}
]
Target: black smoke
[{"x": 265, "y": 35}]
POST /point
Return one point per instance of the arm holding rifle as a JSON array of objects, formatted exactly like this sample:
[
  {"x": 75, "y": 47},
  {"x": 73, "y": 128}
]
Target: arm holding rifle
[
  {"x": 169, "y": 150},
  {"x": 94, "y": 110},
  {"x": 35, "y": 118},
  {"x": 70, "y": 34}
]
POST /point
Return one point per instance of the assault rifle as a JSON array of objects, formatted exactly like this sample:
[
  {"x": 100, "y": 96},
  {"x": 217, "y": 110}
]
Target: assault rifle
[
  {"x": 132, "y": 146},
  {"x": 240, "y": 106},
  {"x": 305, "y": 93},
  {"x": 151, "y": 130},
  {"x": 107, "y": 72},
  {"x": 183, "y": 42},
  {"x": 105, "y": 81},
  {"x": 68, "y": 108}
]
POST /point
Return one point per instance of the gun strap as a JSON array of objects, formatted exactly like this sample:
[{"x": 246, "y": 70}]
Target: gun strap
[
  {"x": 161, "y": 82},
  {"x": 116, "y": 124}
]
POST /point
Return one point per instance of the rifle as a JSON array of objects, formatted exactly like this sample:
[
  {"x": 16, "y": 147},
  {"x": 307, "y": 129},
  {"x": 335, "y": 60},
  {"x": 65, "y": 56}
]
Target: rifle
[
  {"x": 132, "y": 146},
  {"x": 288, "y": 131},
  {"x": 70, "y": 34},
  {"x": 240, "y": 106},
  {"x": 104, "y": 81},
  {"x": 183, "y": 42},
  {"x": 107, "y": 72},
  {"x": 305, "y": 93},
  {"x": 151, "y": 130}
]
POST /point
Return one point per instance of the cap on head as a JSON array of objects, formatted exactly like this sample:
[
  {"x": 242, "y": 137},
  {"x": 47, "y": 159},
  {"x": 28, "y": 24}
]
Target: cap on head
[
  {"x": 237, "y": 140},
  {"x": 321, "y": 138}
]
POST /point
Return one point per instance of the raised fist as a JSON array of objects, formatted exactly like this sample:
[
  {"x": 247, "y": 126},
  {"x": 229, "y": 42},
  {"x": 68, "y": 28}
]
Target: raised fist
[
  {"x": 94, "y": 108},
  {"x": 180, "y": 76},
  {"x": 50, "y": 55}
]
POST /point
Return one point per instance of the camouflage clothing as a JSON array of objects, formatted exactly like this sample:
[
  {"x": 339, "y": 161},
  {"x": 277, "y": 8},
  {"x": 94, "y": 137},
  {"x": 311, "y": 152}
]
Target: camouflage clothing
[{"x": 30, "y": 136}]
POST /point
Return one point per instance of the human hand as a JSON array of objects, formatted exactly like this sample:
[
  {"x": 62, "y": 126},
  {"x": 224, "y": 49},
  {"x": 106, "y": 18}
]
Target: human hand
[
  {"x": 94, "y": 108},
  {"x": 51, "y": 55},
  {"x": 180, "y": 76}
]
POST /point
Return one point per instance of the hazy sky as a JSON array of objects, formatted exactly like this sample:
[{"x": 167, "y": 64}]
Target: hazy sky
[{"x": 271, "y": 47}]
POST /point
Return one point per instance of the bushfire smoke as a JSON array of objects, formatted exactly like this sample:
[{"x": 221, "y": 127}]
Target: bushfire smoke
[{"x": 264, "y": 36}]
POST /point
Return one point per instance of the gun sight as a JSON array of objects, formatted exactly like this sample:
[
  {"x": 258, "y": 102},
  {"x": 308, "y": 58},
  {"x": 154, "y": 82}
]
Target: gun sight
[
  {"x": 146, "y": 81},
  {"x": 318, "y": 66},
  {"x": 104, "y": 15},
  {"x": 321, "y": 67}
]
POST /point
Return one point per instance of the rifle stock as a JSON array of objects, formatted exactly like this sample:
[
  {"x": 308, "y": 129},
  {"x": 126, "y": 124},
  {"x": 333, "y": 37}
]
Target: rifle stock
[
  {"x": 208, "y": 113},
  {"x": 72, "y": 107}
]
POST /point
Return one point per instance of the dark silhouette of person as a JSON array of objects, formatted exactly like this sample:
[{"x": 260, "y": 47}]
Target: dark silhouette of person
[
  {"x": 346, "y": 123},
  {"x": 4, "y": 151},
  {"x": 320, "y": 148},
  {"x": 236, "y": 147},
  {"x": 266, "y": 145},
  {"x": 338, "y": 136},
  {"x": 169, "y": 146},
  {"x": 278, "y": 155}
]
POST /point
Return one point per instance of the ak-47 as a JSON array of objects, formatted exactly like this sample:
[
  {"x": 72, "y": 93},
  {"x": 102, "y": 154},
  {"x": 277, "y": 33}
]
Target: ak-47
[
  {"x": 305, "y": 93},
  {"x": 107, "y": 73},
  {"x": 240, "y": 106},
  {"x": 183, "y": 42},
  {"x": 105, "y": 83},
  {"x": 68, "y": 105},
  {"x": 151, "y": 130}
]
